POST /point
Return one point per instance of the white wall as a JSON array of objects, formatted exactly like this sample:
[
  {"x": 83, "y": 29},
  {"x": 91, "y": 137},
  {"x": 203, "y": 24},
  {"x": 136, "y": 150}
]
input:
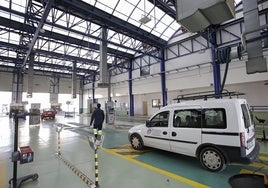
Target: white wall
[
  {"x": 41, "y": 84},
  {"x": 5, "y": 81}
]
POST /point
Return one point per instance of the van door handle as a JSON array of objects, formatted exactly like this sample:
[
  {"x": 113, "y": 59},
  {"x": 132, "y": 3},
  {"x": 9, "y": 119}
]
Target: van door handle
[
  {"x": 165, "y": 133},
  {"x": 173, "y": 134}
]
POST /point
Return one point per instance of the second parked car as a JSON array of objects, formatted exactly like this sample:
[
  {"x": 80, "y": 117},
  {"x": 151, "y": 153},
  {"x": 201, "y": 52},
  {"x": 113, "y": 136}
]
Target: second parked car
[{"x": 48, "y": 113}]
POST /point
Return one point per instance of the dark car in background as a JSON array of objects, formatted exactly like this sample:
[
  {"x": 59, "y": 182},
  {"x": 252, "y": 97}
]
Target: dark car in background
[{"x": 48, "y": 113}]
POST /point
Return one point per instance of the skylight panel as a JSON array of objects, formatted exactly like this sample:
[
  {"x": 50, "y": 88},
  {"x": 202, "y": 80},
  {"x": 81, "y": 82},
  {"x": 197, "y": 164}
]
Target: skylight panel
[
  {"x": 18, "y": 6},
  {"x": 122, "y": 12},
  {"x": 14, "y": 38},
  {"x": 107, "y": 6},
  {"x": 5, "y": 3},
  {"x": 75, "y": 35},
  {"x": 61, "y": 31},
  {"x": 4, "y": 37},
  {"x": 94, "y": 29},
  {"x": 12, "y": 54},
  {"x": 174, "y": 26}
]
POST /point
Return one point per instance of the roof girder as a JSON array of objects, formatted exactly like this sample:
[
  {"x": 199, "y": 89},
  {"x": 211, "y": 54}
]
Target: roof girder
[
  {"x": 97, "y": 16},
  {"x": 26, "y": 28}
]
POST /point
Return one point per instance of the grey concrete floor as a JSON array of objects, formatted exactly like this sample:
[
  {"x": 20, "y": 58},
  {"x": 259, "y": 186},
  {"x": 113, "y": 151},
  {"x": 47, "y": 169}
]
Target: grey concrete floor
[{"x": 118, "y": 165}]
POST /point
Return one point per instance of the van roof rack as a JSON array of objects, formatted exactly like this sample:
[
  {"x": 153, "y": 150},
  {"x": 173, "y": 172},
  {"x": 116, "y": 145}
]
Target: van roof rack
[{"x": 207, "y": 94}]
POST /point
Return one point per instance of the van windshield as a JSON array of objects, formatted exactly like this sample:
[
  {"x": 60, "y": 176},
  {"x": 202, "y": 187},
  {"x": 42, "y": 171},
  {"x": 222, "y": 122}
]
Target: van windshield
[{"x": 246, "y": 115}]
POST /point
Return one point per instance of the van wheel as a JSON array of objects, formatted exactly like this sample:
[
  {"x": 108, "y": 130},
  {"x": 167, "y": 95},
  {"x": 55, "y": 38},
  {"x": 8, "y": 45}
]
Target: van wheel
[
  {"x": 212, "y": 159},
  {"x": 136, "y": 142}
]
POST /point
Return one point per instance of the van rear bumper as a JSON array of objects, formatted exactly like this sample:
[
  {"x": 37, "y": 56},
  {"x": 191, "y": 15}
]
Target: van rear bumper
[{"x": 249, "y": 158}]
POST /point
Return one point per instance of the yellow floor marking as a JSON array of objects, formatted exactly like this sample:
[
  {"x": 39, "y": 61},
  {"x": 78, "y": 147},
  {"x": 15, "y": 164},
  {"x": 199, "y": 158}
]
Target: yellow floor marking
[
  {"x": 163, "y": 172},
  {"x": 244, "y": 171},
  {"x": 3, "y": 176},
  {"x": 263, "y": 158},
  {"x": 158, "y": 170},
  {"x": 259, "y": 165}
]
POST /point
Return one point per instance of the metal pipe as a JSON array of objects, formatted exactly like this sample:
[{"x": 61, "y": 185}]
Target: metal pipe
[{"x": 243, "y": 36}]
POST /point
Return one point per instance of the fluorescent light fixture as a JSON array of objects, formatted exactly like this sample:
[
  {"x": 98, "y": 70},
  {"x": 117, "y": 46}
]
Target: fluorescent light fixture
[
  {"x": 145, "y": 19},
  {"x": 42, "y": 30}
]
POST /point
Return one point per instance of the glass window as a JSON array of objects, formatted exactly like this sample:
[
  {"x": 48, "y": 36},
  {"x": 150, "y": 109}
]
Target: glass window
[
  {"x": 214, "y": 118},
  {"x": 246, "y": 116},
  {"x": 160, "y": 120},
  {"x": 187, "y": 118}
]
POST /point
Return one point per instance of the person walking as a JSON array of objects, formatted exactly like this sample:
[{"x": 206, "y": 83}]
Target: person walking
[{"x": 98, "y": 118}]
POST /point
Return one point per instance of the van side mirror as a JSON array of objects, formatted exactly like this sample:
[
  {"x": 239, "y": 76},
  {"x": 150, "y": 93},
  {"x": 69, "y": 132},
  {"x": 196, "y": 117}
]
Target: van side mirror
[{"x": 148, "y": 124}]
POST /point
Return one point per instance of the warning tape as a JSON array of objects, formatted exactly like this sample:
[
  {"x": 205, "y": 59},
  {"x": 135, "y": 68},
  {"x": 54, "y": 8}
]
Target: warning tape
[{"x": 80, "y": 174}]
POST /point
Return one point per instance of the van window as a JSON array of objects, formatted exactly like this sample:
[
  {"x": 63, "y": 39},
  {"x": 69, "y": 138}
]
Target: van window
[
  {"x": 187, "y": 118},
  {"x": 246, "y": 116},
  {"x": 160, "y": 120},
  {"x": 214, "y": 118}
]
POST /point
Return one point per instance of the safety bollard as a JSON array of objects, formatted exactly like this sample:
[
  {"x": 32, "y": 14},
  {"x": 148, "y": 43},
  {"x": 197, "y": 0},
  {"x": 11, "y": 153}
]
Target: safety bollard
[
  {"x": 58, "y": 130},
  {"x": 95, "y": 144},
  {"x": 96, "y": 168}
]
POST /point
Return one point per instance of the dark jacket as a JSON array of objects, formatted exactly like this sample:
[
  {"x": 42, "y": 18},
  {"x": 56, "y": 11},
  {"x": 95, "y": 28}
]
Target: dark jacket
[{"x": 97, "y": 117}]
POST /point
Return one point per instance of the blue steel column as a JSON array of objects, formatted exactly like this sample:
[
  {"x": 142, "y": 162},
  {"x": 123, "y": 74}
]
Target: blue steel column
[
  {"x": 131, "y": 97},
  {"x": 163, "y": 78},
  {"x": 93, "y": 88},
  {"x": 216, "y": 66}
]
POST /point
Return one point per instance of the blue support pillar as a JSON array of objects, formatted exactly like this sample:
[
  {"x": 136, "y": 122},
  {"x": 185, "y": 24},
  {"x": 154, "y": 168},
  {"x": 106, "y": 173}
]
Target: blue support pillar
[
  {"x": 216, "y": 66},
  {"x": 93, "y": 89},
  {"x": 131, "y": 97},
  {"x": 163, "y": 78}
]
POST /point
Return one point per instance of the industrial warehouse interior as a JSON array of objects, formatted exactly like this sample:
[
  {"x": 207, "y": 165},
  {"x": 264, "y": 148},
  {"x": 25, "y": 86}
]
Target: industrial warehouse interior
[{"x": 182, "y": 85}]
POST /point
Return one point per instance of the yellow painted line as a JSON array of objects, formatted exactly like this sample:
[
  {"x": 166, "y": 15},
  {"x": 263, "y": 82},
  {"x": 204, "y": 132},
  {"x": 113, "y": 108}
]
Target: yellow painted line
[
  {"x": 131, "y": 156},
  {"x": 3, "y": 177},
  {"x": 163, "y": 172},
  {"x": 244, "y": 171},
  {"x": 259, "y": 165},
  {"x": 263, "y": 158}
]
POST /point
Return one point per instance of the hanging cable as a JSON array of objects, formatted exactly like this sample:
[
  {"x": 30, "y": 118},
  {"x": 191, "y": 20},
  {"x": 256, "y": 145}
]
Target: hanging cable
[{"x": 223, "y": 57}]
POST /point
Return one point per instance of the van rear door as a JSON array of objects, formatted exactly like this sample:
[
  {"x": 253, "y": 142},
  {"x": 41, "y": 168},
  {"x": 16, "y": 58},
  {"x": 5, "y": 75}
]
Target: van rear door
[
  {"x": 247, "y": 136},
  {"x": 185, "y": 133}
]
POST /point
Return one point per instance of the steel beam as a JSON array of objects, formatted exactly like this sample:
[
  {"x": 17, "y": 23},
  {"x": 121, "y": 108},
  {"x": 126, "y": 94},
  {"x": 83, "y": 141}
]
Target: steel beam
[
  {"x": 165, "y": 7},
  {"x": 99, "y": 17},
  {"x": 60, "y": 37},
  {"x": 130, "y": 89},
  {"x": 163, "y": 79},
  {"x": 45, "y": 65},
  {"x": 37, "y": 31},
  {"x": 45, "y": 53}
]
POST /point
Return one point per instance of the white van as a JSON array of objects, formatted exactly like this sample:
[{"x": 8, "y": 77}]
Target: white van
[{"x": 217, "y": 132}]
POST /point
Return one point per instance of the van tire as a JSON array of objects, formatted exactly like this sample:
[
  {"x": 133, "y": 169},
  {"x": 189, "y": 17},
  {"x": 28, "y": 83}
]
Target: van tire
[
  {"x": 136, "y": 142},
  {"x": 212, "y": 159}
]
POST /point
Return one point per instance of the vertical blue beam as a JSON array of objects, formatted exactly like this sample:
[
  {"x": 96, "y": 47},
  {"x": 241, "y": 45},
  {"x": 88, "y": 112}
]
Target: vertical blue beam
[
  {"x": 93, "y": 88},
  {"x": 163, "y": 78},
  {"x": 216, "y": 66},
  {"x": 131, "y": 97}
]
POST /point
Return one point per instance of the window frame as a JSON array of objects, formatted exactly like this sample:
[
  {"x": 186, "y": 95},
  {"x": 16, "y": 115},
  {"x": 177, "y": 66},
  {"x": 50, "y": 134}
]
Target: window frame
[{"x": 160, "y": 123}]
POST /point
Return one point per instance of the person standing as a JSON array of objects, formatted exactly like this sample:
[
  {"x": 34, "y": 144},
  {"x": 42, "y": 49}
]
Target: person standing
[{"x": 98, "y": 118}]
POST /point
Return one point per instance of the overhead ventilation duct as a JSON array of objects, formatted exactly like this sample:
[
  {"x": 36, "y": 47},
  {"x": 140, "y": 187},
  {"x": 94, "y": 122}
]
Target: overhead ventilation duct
[
  {"x": 74, "y": 82},
  {"x": 256, "y": 62},
  {"x": 103, "y": 60},
  {"x": 30, "y": 76},
  {"x": 198, "y": 15}
]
